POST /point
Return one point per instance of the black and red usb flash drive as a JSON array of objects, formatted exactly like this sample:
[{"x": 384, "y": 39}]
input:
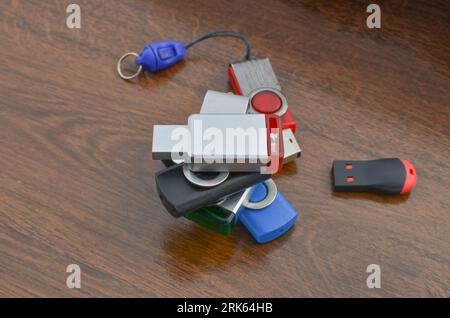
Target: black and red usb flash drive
[{"x": 390, "y": 175}]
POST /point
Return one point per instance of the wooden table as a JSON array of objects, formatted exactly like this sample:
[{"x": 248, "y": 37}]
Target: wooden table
[{"x": 76, "y": 177}]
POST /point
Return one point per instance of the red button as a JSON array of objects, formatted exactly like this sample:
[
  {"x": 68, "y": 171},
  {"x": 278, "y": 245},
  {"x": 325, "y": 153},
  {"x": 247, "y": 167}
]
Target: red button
[{"x": 266, "y": 102}]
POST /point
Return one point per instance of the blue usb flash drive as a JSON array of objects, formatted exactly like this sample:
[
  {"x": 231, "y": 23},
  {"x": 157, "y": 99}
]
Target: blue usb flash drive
[{"x": 268, "y": 223}]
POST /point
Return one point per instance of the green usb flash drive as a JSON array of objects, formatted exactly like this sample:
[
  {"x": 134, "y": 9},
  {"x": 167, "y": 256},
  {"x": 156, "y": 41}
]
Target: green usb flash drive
[
  {"x": 214, "y": 218},
  {"x": 222, "y": 217}
]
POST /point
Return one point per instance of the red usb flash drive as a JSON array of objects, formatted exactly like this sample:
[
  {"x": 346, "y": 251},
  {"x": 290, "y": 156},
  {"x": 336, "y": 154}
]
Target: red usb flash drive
[
  {"x": 391, "y": 175},
  {"x": 256, "y": 79}
]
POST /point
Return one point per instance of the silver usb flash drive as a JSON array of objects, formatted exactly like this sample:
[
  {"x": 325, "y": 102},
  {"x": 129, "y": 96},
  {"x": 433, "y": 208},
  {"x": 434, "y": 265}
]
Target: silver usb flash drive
[
  {"x": 255, "y": 74},
  {"x": 220, "y": 142},
  {"x": 224, "y": 103}
]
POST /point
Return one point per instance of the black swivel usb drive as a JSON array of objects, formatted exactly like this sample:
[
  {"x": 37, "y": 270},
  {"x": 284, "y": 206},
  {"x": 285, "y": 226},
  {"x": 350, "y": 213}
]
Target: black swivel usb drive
[
  {"x": 181, "y": 196},
  {"x": 390, "y": 175}
]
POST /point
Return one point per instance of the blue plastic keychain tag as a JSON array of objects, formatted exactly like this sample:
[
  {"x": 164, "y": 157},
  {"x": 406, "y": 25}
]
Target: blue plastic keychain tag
[{"x": 157, "y": 56}]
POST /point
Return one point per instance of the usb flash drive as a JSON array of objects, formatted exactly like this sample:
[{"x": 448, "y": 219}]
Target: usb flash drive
[
  {"x": 267, "y": 215},
  {"x": 391, "y": 176},
  {"x": 181, "y": 195},
  {"x": 221, "y": 217},
  {"x": 241, "y": 142},
  {"x": 228, "y": 103},
  {"x": 257, "y": 79},
  {"x": 224, "y": 103}
]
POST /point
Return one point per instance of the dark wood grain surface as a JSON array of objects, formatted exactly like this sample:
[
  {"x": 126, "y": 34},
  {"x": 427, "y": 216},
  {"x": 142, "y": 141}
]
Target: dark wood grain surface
[{"x": 76, "y": 174}]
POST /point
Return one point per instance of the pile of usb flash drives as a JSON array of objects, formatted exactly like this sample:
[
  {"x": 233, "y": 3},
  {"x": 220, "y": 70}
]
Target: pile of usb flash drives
[
  {"x": 237, "y": 185},
  {"x": 217, "y": 188}
]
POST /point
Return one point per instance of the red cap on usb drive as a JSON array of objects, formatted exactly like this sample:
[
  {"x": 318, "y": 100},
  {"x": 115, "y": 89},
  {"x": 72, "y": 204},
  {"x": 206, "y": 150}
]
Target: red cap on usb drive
[{"x": 411, "y": 177}]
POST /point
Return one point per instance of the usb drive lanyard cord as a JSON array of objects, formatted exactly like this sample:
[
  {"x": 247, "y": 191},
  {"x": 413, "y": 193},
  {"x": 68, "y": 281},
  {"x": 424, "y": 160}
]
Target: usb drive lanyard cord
[
  {"x": 230, "y": 33},
  {"x": 157, "y": 64}
]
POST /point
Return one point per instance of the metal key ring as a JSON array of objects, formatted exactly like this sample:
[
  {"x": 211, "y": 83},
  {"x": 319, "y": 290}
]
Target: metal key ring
[
  {"x": 204, "y": 183},
  {"x": 119, "y": 66},
  {"x": 271, "y": 188}
]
